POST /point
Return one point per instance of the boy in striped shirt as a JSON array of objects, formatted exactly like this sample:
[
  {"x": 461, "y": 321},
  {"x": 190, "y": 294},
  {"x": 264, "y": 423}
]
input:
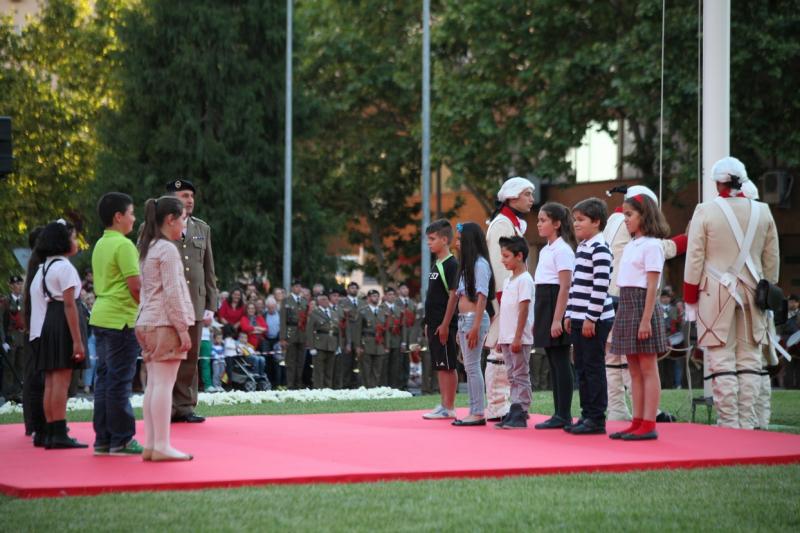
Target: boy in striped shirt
[{"x": 590, "y": 315}]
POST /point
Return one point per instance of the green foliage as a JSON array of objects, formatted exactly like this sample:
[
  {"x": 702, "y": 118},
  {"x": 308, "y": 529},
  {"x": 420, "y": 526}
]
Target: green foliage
[
  {"x": 200, "y": 90},
  {"x": 517, "y": 87},
  {"x": 359, "y": 154},
  {"x": 53, "y": 78},
  {"x": 765, "y": 71}
]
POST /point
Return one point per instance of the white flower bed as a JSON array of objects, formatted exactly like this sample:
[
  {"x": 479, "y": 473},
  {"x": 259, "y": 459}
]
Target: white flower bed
[{"x": 237, "y": 397}]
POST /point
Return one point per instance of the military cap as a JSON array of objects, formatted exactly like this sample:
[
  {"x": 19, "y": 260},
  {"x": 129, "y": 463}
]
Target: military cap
[
  {"x": 180, "y": 185},
  {"x": 15, "y": 279},
  {"x": 296, "y": 281}
]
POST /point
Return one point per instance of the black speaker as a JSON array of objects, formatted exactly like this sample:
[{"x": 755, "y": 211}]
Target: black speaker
[{"x": 6, "y": 156}]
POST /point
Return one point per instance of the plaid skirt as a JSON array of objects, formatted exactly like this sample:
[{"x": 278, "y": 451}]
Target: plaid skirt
[{"x": 625, "y": 333}]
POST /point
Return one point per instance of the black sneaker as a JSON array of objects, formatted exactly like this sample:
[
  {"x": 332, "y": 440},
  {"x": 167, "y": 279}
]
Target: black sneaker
[
  {"x": 554, "y": 422},
  {"x": 516, "y": 418},
  {"x": 503, "y": 420},
  {"x": 589, "y": 427},
  {"x": 569, "y": 425}
]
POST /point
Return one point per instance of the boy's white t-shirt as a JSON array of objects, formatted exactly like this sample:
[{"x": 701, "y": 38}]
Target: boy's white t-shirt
[{"x": 515, "y": 290}]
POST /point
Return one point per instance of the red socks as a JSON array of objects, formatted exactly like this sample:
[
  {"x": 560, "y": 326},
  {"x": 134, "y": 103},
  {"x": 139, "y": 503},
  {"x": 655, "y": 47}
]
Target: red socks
[
  {"x": 646, "y": 426},
  {"x": 635, "y": 424}
]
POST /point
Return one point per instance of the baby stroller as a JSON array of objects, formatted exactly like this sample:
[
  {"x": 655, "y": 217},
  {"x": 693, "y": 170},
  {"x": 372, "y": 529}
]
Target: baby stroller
[{"x": 242, "y": 374}]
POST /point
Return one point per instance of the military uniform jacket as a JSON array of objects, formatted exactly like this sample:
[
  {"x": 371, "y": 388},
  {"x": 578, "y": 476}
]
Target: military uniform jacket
[
  {"x": 12, "y": 327},
  {"x": 369, "y": 333},
  {"x": 294, "y": 315},
  {"x": 198, "y": 266},
  {"x": 713, "y": 248},
  {"x": 351, "y": 316},
  {"x": 394, "y": 325},
  {"x": 323, "y": 330},
  {"x": 410, "y": 323}
]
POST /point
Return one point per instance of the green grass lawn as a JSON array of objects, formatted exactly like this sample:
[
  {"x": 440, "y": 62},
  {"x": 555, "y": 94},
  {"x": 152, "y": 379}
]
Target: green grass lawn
[{"x": 726, "y": 499}]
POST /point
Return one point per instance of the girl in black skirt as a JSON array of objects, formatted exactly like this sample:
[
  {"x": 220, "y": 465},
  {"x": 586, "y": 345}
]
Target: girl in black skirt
[
  {"x": 57, "y": 327},
  {"x": 638, "y": 332},
  {"x": 553, "y": 278}
]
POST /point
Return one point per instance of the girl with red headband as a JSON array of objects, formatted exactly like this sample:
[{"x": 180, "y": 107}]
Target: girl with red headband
[{"x": 638, "y": 332}]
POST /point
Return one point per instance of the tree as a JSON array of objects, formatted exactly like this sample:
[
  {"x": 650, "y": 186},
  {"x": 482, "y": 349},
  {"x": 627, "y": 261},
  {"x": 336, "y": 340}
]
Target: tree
[
  {"x": 516, "y": 88},
  {"x": 200, "y": 91},
  {"x": 359, "y": 152},
  {"x": 53, "y": 77}
]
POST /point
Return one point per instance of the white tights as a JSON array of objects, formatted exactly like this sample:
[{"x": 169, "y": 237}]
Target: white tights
[{"x": 158, "y": 405}]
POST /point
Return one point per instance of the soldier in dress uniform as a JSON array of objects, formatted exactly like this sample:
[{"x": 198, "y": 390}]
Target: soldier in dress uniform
[
  {"x": 369, "y": 339},
  {"x": 198, "y": 268},
  {"x": 409, "y": 318},
  {"x": 348, "y": 374},
  {"x": 733, "y": 244},
  {"x": 294, "y": 315},
  {"x": 335, "y": 296},
  {"x": 13, "y": 343},
  {"x": 325, "y": 341},
  {"x": 393, "y": 369}
]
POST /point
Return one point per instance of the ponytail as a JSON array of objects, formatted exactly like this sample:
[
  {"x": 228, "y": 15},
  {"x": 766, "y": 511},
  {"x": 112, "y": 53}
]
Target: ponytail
[
  {"x": 155, "y": 212},
  {"x": 34, "y": 262}
]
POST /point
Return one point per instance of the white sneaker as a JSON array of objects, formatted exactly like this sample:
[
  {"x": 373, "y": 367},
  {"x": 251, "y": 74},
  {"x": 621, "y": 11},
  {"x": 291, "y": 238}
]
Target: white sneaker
[{"x": 440, "y": 413}]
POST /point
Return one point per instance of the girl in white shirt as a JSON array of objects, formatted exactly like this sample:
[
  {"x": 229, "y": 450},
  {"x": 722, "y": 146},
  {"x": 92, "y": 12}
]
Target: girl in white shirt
[
  {"x": 638, "y": 332},
  {"x": 553, "y": 278},
  {"x": 57, "y": 326}
]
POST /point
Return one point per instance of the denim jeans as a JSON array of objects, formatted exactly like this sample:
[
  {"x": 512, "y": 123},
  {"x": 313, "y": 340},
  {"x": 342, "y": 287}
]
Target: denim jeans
[
  {"x": 117, "y": 350},
  {"x": 590, "y": 367},
  {"x": 472, "y": 360}
]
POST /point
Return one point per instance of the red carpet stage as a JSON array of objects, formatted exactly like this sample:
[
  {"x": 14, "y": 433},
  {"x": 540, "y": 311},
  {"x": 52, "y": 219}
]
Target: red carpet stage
[{"x": 353, "y": 447}]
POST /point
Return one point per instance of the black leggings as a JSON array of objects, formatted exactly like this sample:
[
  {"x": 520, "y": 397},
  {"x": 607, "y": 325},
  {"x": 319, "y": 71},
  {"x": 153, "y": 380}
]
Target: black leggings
[{"x": 561, "y": 376}]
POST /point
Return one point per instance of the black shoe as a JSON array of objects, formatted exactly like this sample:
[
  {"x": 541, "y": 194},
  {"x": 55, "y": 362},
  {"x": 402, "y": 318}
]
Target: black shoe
[
  {"x": 516, "y": 418},
  {"x": 191, "y": 418},
  {"x": 478, "y": 422},
  {"x": 500, "y": 420},
  {"x": 39, "y": 440},
  {"x": 59, "y": 439},
  {"x": 554, "y": 422},
  {"x": 651, "y": 435},
  {"x": 569, "y": 425},
  {"x": 589, "y": 427}
]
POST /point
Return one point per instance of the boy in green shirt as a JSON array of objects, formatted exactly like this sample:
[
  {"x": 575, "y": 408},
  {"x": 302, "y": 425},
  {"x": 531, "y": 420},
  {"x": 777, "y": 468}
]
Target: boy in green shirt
[{"x": 115, "y": 264}]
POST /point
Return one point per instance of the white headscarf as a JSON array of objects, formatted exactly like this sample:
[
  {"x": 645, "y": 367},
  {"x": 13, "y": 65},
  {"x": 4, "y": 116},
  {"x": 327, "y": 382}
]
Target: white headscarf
[{"x": 513, "y": 188}]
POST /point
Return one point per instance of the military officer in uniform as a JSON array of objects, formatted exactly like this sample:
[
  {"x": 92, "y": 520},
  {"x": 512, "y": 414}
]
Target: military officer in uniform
[
  {"x": 323, "y": 328},
  {"x": 408, "y": 308},
  {"x": 393, "y": 369},
  {"x": 13, "y": 342},
  {"x": 294, "y": 314},
  {"x": 348, "y": 373},
  {"x": 370, "y": 338},
  {"x": 733, "y": 244},
  {"x": 198, "y": 268},
  {"x": 335, "y": 297}
]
